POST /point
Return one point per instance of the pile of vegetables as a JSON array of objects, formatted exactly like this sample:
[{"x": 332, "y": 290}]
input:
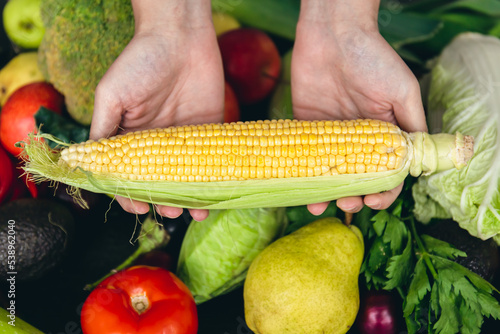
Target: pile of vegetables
[{"x": 410, "y": 278}]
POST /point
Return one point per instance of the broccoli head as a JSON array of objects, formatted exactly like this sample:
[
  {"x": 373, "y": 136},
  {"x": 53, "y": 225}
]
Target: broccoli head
[{"x": 81, "y": 41}]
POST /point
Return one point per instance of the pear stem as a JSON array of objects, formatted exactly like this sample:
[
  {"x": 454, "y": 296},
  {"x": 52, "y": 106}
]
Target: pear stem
[{"x": 348, "y": 218}]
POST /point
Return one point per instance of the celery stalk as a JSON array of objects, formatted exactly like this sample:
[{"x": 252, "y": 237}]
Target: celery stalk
[{"x": 12, "y": 324}]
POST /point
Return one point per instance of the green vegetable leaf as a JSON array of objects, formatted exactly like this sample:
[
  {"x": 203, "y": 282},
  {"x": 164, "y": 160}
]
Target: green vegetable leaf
[
  {"x": 380, "y": 221},
  {"x": 400, "y": 267},
  {"x": 486, "y": 7},
  {"x": 489, "y": 305},
  {"x": 401, "y": 28},
  {"x": 419, "y": 288},
  {"x": 299, "y": 216},
  {"x": 61, "y": 127},
  {"x": 441, "y": 248},
  {"x": 449, "y": 319},
  {"x": 378, "y": 255}
]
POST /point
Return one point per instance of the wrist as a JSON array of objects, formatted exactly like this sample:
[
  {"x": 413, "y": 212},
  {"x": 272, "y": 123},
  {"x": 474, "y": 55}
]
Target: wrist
[
  {"x": 158, "y": 16},
  {"x": 341, "y": 15}
]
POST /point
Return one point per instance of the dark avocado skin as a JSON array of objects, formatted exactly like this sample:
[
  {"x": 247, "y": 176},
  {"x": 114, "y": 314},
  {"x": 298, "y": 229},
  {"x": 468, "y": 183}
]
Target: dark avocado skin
[
  {"x": 43, "y": 229},
  {"x": 482, "y": 255}
]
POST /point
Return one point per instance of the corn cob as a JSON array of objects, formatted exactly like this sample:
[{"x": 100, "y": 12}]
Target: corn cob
[{"x": 318, "y": 155}]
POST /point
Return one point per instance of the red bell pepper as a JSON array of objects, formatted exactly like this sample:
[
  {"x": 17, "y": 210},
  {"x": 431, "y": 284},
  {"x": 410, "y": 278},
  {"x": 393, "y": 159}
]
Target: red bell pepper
[{"x": 140, "y": 299}]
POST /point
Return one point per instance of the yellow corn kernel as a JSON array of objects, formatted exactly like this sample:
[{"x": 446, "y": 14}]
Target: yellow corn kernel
[{"x": 243, "y": 150}]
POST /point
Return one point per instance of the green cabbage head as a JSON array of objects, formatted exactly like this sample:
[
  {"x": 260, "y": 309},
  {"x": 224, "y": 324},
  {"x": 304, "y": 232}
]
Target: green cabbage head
[
  {"x": 216, "y": 253},
  {"x": 464, "y": 94}
]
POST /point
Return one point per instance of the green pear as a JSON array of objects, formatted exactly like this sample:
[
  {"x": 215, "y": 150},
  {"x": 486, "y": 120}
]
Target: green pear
[{"x": 307, "y": 281}]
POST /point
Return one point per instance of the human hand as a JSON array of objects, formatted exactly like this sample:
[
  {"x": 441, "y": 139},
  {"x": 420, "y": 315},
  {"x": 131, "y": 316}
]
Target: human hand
[
  {"x": 167, "y": 75},
  {"x": 344, "y": 69}
]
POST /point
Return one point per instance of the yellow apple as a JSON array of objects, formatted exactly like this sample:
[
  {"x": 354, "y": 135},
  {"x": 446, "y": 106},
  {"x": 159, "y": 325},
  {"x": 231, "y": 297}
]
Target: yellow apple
[
  {"x": 19, "y": 71},
  {"x": 224, "y": 22}
]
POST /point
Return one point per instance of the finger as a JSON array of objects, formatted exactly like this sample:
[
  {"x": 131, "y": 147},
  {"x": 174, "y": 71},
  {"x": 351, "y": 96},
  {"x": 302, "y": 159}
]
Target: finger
[
  {"x": 168, "y": 211},
  {"x": 199, "y": 214},
  {"x": 410, "y": 115},
  {"x": 106, "y": 117},
  {"x": 317, "y": 208},
  {"x": 350, "y": 204},
  {"x": 383, "y": 200},
  {"x": 132, "y": 206}
]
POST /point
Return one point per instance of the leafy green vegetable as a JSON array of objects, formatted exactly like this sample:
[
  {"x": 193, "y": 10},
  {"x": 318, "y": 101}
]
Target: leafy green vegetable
[
  {"x": 465, "y": 95},
  {"x": 61, "y": 127},
  {"x": 438, "y": 294},
  {"x": 299, "y": 216},
  {"x": 216, "y": 253}
]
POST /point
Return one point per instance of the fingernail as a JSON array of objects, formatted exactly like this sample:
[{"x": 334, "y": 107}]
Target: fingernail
[
  {"x": 374, "y": 205},
  {"x": 351, "y": 209},
  {"x": 169, "y": 213}
]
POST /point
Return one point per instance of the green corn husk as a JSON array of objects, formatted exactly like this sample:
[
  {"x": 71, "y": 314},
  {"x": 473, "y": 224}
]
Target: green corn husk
[{"x": 425, "y": 154}]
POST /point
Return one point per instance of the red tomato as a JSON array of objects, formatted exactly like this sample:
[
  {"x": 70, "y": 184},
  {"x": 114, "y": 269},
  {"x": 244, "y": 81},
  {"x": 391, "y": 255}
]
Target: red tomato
[
  {"x": 6, "y": 175},
  {"x": 17, "y": 118},
  {"x": 231, "y": 105},
  {"x": 140, "y": 299}
]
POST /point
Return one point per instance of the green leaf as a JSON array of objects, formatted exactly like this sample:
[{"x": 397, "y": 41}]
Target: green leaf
[
  {"x": 395, "y": 233},
  {"x": 378, "y": 255},
  {"x": 486, "y": 7},
  {"x": 402, "y": 28},
  {"x": 362, "y": 219},
  {"x": 441, "y": 248},
  {"x": 372, "y": 280},
  {"x": 419, "y": 287},
  {"x": 471, "y": 319},
  {"x": 468, "y": 292},
  {"x": 412, "y": 325},
  {"x": 67, "y": 130},
  {"x": 400, "y": 267},
  {"x": 299, "y": 216},
  {"x": 449, "y": 319},
  {"x": 380, "y": 221},
  {"x": 489, "y": 305},
  {"x": 434, "y": 301},
  {"x": 275, "y": 16}
]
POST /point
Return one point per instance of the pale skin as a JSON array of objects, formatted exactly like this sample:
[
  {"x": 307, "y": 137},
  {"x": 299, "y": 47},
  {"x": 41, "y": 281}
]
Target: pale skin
[{"x": 171, "y": 74}]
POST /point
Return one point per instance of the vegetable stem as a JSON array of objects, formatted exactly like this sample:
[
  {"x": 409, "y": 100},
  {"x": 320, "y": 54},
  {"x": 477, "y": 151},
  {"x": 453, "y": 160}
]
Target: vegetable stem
[
  {"x": 152, "y": 236},
  {"x": 423, "y": 251}
]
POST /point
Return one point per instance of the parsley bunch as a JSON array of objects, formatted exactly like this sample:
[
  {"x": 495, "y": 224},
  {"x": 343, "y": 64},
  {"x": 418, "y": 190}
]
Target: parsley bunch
[{"x": 439, "y": 295}]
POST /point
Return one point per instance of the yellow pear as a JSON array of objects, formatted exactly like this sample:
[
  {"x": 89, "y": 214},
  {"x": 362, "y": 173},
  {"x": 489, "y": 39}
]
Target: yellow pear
[
  {"x": 223, "y": 22},
  {"x": 307, "y": 281},
  {"x": 19, "y": 71}
]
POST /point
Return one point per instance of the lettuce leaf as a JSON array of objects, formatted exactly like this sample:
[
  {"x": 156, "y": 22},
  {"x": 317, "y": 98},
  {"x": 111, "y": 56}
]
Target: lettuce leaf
[{"x": 464, "y": 96}]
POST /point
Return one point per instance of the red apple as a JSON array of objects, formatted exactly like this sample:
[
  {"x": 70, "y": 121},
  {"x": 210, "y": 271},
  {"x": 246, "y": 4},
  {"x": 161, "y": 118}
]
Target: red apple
[
  {"x": 252, "y": 63},
  {"x": 17, "y": 117},
  {"x": 231, "y": 106}
]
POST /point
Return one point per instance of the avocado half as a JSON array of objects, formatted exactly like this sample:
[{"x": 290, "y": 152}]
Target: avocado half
[{"x": 36, "y": 234}]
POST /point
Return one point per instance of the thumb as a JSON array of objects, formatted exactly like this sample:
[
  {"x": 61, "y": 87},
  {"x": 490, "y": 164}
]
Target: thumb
[
  {"x": 411, "y": 115},
  {"x": 106, "y": 117}
]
